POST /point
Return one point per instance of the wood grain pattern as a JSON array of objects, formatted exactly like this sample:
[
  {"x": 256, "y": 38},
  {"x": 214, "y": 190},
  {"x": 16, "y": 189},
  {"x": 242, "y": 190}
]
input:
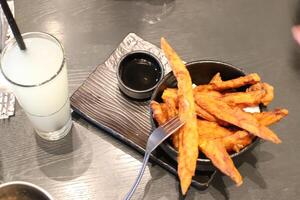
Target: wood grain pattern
[{"x": 100, "y": 99}]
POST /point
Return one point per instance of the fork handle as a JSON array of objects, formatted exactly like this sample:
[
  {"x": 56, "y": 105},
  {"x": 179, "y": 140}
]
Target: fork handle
[{"x": 139, "y": 178}]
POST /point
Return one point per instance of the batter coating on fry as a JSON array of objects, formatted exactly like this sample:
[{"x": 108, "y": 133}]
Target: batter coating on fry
[
  {"x": 211, "y": 130},
  {"x": 230, "y": 84},
  {"x": 268, "y": 92},
  {"x": 237, "y": 141},
  {"x": 188, "y": 134},
  {"x": 237, "y": 82},
  {"x": 216, "y": 152},
  {"x": 236, "y": 116},
  {"x": 268, "y": 118},
  {"x": 169, "y": 96},
  {"x": 252, "y": 97},
  {"x": 158, "y": 114},
  {"x": 216, "y": 79},
  {"x": 244, "y": 99}
]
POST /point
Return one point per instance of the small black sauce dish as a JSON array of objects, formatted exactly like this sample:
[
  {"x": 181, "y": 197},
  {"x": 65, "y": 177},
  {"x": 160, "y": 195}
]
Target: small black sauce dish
[{"x": 138, "y": 74}]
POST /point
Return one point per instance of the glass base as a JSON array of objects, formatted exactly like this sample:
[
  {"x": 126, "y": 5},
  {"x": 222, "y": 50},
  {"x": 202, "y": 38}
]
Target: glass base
[{"x": 56, "y": 135}]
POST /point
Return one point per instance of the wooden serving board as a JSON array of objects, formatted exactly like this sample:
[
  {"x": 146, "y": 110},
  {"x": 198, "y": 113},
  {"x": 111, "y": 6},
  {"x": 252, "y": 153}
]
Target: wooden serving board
[{"x": 100, "y": 101}]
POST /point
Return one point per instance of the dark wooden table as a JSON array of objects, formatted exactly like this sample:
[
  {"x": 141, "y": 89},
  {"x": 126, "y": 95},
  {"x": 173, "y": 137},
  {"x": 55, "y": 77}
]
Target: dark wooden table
[{"x": 90, "y": 164}]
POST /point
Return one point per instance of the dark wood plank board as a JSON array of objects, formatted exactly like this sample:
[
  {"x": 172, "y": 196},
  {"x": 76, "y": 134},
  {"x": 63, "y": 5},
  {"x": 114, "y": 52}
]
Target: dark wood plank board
[{"x": 100, "y": 100}]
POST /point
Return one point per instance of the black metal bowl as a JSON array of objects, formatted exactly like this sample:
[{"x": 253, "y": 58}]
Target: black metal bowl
[{"x": 201, "y": 73}]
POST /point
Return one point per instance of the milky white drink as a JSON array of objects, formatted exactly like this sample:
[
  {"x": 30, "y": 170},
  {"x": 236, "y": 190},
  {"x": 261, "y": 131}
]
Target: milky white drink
[{"x": 38, "y": 77}]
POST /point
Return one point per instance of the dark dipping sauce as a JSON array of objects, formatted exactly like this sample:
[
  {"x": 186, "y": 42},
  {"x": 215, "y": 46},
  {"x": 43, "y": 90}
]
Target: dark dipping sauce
[{"x": 140, "y": 71}]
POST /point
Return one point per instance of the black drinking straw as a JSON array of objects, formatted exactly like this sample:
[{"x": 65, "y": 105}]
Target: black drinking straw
[{"x": 13, "y": 25}]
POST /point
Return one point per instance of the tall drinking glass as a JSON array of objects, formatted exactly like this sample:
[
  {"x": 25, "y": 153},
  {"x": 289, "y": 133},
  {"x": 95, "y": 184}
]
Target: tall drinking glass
[{"x": 38, "y": 78}]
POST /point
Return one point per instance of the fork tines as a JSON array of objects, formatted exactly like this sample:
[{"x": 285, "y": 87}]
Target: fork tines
[{"x": 171, "y": 124}]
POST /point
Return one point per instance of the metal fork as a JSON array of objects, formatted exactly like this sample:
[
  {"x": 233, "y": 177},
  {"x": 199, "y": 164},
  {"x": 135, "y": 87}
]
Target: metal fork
[{"x": 159, "y": 135}]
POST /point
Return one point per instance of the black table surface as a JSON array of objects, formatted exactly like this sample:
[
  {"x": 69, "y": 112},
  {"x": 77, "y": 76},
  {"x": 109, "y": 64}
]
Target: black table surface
[{"x": 90, "y": 164}]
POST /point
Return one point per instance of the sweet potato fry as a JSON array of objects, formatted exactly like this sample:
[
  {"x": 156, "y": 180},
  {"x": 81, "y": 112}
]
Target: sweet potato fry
[
  {"x": 216, "y": 79},
  {"x": 252, "y": 97},
  {"x": 231, "y": 84},
  {"x": 236, "y": 83},
  {"x": 244, "y": 99},
  {"x": 237, "y": 141},
  {"x": 235, "y": 116},
  {"x": 269, "y": 96},
  {"x": 210, "y": 93},
  {"x": 233, "y": 141},
  {"x": 268, "y": 118},
  {"x": 158, "y": 114},
  {"x": 164, "y": 108},
  {"x": 204, "y": 114},
  {"x": 211, "y": 130},
  {"x": 216, "y": 152},
  {"x": 170, "y": 93},
  {"x": 188, "y": 135},
  {"x": 267, "y": 88},
  {"x": 174, "y": 137},
  {"x": 169, "y": 96},
  {"x": 203, "y": 88},
  {"x": 241, "y": 99}
]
